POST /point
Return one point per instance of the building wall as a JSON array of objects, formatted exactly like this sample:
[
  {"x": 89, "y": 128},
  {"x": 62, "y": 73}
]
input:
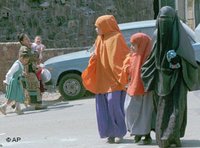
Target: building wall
[
  {"x": 65, "y": 23},
  {"x": 190, "y": 13},
  {"x": 185, "y": 10}
]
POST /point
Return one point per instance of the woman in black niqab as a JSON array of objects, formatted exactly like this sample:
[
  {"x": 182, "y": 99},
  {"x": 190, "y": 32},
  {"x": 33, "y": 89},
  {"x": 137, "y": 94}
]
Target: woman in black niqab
[{"x": 170, "y": 71}]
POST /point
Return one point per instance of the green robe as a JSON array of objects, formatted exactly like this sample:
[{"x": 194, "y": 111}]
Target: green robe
[{"x": 170, "y": 86}]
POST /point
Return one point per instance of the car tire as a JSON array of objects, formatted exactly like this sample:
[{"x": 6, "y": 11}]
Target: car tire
[{"x": 71, "y": 87}]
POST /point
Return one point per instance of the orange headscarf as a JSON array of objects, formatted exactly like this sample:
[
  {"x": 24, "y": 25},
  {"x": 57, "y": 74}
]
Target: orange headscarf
[
  {"x": 103, "y": 73},
  {"x": 134, "y": 62}
]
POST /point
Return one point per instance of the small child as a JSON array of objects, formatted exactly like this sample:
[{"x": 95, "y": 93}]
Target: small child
[
  {"x": 38, "y": 47},
  {"x": 138, "y": 104},
  {"x": 14, "y": 88}
]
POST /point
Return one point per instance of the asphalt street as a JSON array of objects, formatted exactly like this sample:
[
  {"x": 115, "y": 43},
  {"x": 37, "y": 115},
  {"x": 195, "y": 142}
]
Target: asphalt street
[{"x": 72, "y": 124}]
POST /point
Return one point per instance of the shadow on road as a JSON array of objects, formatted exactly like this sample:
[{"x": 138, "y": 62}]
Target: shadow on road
[{"x": 57, "y": 104}]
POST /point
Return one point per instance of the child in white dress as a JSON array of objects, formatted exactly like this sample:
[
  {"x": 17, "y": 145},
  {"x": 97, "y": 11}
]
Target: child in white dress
[{"x": 14, "y": 88}]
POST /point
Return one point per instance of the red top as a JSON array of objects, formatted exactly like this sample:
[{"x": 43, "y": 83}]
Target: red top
[{"x": 133, "y": 63}]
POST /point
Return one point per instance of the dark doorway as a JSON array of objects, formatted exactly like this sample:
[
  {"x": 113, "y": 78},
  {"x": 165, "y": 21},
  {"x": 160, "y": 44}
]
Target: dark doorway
[
  {"x": 155, "y": 8},
  {"x": 197, "y": 12}
]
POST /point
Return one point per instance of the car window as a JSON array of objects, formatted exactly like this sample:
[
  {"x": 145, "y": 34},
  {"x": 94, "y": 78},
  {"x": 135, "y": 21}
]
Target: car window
[
  {"x": 130, "y": 28},
  {"x": 127, "y": 33}
]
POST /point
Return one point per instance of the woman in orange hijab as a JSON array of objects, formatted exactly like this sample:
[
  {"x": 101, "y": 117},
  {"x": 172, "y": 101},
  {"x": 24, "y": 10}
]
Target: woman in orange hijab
[
  {"x": 103, "y": 77},
  {"x": 138, "y": 104}
]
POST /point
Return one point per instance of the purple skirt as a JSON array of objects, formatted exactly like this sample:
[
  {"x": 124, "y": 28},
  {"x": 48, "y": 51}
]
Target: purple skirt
[{"x": 110, "y": 114}]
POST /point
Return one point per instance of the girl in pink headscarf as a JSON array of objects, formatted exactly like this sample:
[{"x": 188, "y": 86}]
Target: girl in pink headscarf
[{"x": 138, "y": 104}]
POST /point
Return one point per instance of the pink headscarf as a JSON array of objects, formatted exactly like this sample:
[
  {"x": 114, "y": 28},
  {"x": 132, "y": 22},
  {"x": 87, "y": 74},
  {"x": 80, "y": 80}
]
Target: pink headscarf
[{"x": 134, "y": 62}]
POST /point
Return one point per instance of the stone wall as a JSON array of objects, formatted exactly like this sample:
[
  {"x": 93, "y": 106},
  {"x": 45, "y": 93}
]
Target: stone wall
[
  {"x": 65, "y": 23},
  {"x": 9, "y": 53}
]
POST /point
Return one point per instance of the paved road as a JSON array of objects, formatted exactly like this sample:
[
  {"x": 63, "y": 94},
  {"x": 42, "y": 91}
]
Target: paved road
[{"x": 73, "y": 125}]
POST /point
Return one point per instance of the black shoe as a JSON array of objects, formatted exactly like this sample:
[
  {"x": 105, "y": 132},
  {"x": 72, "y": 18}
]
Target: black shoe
[
  {"x": 137, "y": 138},
  {"x": 147, "y": 140},
  {"x": 13, "y": 106},
  {"x": 40, "y": 107},
  {"x": 111, "y": 140}
]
